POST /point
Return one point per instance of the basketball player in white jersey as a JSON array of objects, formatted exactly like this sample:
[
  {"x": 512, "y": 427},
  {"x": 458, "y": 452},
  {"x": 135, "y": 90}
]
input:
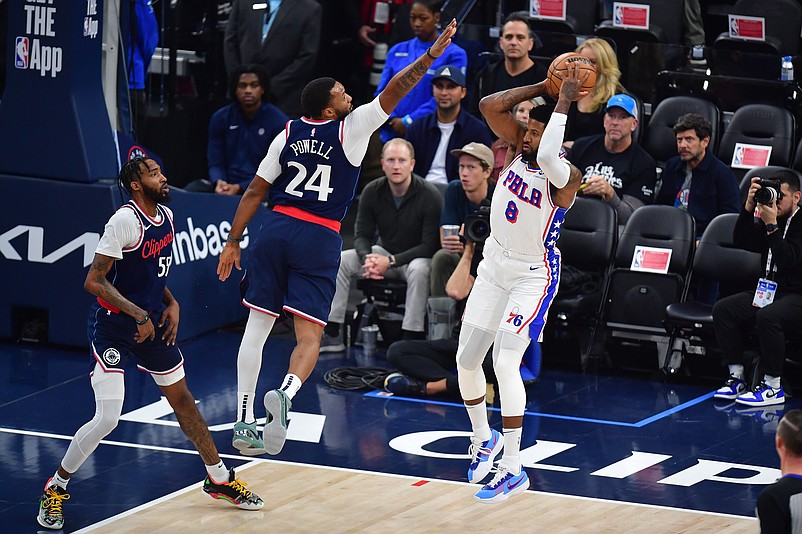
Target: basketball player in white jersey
[{"x": 518, "y": 276}]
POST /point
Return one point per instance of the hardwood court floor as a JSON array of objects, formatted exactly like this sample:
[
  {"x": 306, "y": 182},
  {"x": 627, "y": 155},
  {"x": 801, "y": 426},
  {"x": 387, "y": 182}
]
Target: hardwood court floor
[
  {"x": 604, "y": 453},
  {"x": 317, "y": 499}
]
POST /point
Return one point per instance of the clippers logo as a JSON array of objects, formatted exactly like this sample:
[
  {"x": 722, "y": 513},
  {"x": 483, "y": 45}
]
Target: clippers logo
[
  {"x": 111, "y": 356},
  {"x": 21, "y": 53}
]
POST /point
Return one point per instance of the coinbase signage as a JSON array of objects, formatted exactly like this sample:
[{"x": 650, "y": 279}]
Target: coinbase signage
[{"x": 53, "y": 119}]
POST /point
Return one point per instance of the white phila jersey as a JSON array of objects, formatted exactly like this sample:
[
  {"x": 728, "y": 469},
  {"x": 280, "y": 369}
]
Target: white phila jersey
[{"x": 523, "y": 217}]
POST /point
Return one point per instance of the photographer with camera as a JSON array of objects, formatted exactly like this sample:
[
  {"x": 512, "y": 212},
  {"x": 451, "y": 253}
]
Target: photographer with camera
[
  {"x": 775, "y": 306},
  {"x": 463, "y": 198}
]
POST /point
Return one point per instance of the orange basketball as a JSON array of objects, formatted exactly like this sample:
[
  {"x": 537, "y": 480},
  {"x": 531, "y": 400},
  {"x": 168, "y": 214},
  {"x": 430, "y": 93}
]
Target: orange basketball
[{"x": 559, "y": 68}]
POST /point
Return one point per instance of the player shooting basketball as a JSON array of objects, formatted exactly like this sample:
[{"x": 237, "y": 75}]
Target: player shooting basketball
[{"x": 519, "y": 274}]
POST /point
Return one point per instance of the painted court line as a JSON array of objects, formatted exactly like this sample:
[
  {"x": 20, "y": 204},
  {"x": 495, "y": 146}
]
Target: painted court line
[{"x": 665, "y": 413}]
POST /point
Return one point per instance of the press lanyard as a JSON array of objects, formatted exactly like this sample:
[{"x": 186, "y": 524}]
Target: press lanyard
[{"x": 769, "y": 268}]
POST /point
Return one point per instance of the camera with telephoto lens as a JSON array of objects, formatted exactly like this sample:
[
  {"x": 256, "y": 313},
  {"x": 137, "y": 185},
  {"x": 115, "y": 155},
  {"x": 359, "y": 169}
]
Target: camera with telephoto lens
[
  {"x": 769, "y": 191},
  {"x": 477, "y": 225}
]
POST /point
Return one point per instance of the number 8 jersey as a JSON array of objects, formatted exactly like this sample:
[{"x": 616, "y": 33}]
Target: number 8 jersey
[{"x": 523, "y": 217}]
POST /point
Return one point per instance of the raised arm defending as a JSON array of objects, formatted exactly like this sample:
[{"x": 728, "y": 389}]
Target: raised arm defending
[{"x": 403, "y": 82}]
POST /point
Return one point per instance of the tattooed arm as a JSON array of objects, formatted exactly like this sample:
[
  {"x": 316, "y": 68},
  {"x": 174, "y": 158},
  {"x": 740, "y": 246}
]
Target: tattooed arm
[
  {"x": 97, "y": 284},
  {"x": 403, "y": 82},
  {"x": 496, "y": 110}
]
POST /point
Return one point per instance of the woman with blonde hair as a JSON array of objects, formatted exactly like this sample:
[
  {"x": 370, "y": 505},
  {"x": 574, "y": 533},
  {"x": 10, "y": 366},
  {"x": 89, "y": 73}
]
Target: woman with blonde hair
[{"x": 586, "y": 116}]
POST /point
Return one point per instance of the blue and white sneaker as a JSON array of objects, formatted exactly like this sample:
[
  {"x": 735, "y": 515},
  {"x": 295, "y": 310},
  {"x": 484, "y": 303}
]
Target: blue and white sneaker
[
  {"x": 762, "y": 395},
  {"x": 731, "y": 390},
  {"x": 482, "y": 456},
  {"x": 503, "y": 486}
]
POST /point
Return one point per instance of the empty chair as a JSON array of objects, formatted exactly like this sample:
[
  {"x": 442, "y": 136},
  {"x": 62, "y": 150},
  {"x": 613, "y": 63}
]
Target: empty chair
[
  {"x": 659, "y": 139},
  {"x": 783, "y": 24},
  {"x": 759, "y": 124},
  {"x": 588, "y": 240},
  {"x": 635, "y": 299},
  {"x": 717, "y": 258}
]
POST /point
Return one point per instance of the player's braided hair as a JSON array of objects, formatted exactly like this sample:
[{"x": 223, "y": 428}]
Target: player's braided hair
[{"x": 131, "y": 170}]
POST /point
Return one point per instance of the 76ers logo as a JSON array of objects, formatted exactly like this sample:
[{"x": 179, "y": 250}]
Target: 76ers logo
[
  {"x": 515, "y": 318},
  {"x": 111, "y": 356}
]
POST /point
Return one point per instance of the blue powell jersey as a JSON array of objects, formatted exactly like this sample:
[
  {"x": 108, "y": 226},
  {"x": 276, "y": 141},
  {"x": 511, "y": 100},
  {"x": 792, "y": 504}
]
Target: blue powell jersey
[
  {"x": 143, "y": 248},
  {"x": 314, "y": 165},
  {"x": 315, "y": 174}
]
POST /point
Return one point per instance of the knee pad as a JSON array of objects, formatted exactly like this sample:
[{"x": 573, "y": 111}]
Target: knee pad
[
  {"x": 473, "y": 345},
  {"x": 507, "y": 353}
]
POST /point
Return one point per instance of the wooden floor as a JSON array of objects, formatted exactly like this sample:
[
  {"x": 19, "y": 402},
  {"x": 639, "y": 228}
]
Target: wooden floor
[{"x": 302, "y": 499}]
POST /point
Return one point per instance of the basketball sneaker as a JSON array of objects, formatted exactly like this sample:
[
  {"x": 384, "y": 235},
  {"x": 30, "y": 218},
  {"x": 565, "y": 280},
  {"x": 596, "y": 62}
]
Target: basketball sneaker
[
  {"x": 233, "y": 491},
  {"x": 404, "y": 386},
  {"x": 503, "y": 486},
  {"x": 246, "y": 439},
  {"x": 51, "y": 514},
  {"x": 331, "y": 343},
  {"x": 482, "y": 456},
  {"x": 732, "y": 389},
  {"x": 277, "y": 404},
  {"x": 762, "y": 395}
]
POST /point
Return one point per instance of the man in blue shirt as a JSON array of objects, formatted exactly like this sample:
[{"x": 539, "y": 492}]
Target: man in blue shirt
[
  {"x": 240, "y": 133},
  {"x": 696, "y": 180},
  {"x": 437, "y": 135}
]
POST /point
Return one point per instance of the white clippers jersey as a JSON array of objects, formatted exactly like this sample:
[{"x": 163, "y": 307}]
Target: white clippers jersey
[{"x": 523, "y": 218}]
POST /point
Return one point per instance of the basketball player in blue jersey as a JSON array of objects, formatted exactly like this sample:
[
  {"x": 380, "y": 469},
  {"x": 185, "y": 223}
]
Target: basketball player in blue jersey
[
  {"x": 136, "y": 316},
  {"x": 310, "y": 175},
  {"x": 518, "y": 277}
]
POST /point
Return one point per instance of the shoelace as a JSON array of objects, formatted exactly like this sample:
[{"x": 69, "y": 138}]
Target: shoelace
[
  {"x": 239, "y": 486},
  {"x": 475, "y": 450},
  {"x": 53, "y": 501},
  {"x": 501, "y": 473}
]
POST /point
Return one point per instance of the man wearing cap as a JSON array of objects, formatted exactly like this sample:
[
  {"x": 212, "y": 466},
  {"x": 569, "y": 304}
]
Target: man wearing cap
[
  {"x": 436, "y": 135},
  {"x": 463, "y": 197},
  {"x": 616, "y": 169}
]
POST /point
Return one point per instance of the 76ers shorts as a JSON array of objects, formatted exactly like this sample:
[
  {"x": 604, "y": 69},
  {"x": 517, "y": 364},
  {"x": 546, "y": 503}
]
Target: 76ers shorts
[
  {"x": 293, "y": 265},
  {"x": 513, "y": 292},
  {"x": 111, "y": 339}
]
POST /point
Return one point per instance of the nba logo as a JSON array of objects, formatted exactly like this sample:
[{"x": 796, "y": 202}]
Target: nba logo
[
  {"x": 21, "y": 53},
  {"x": 618, "y": 15},
  {"x": 535, "y": 8}
]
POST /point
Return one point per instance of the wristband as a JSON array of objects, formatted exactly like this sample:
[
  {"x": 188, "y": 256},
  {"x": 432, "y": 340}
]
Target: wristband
[
  {"x": 234, "y": 239},
  {"x": 143, "y": 321},
  {"x": 429, "y": 53},
  {"x": 771, "y": 228},
  {"x": 407, "y": 121}
]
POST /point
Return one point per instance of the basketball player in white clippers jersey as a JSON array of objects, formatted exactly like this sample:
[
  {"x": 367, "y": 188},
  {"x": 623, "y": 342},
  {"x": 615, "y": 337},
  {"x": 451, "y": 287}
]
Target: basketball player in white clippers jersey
[{"x": 518, "y": 277}]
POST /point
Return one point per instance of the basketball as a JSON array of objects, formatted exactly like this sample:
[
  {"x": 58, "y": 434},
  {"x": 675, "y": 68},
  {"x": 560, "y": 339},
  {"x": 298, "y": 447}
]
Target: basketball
[{"x": 559, "y": 68}]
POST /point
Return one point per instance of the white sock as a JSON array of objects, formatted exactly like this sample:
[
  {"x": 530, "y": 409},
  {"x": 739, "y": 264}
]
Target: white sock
[
  {"x": 218, "y": 473},
  {"x": 512, "y": 450},
  {"x": 736, "y": 370},
  {"x": 245, "y": 403},
  {"x": 60, "y": 482},
  {"x": 291, "y": 385},
  {"x": 477, "y": 413},
  {"x": 772, "y": 381}
]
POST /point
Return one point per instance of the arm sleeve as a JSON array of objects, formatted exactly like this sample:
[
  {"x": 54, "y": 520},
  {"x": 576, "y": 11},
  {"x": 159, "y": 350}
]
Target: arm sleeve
[
  {"x": 548, "y": 153},
  {"x": 270, "y": 168},
  {"x": 358, "y": 126},
  {"x": 121, "y": 232}
]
